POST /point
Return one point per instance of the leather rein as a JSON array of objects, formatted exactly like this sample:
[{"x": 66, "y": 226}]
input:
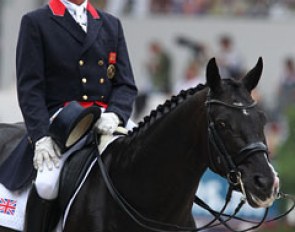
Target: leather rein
[{"x": 233, "y": 177}]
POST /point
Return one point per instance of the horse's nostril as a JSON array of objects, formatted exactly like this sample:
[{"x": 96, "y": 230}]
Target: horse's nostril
[{"x": 262, "y": 182}]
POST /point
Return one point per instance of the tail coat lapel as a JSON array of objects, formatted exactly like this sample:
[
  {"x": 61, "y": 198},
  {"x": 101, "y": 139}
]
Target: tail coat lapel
[
  {"x": 71, "y": 26},
  {"x": 93, "y": 27}
]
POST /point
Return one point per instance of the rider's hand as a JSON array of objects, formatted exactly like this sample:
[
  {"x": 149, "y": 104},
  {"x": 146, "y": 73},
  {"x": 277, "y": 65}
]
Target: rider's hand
[
  {"x": 107, "y": 123},
  {"x": 46, "y": 151}
]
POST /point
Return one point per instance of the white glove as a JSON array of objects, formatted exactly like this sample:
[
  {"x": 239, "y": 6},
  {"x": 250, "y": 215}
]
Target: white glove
[
  {"x": 46, "y": 151},
  {"x": 107, "y": 123}
]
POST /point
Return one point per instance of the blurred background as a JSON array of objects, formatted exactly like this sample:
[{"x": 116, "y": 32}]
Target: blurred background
[{"x": 170, "y": 43}]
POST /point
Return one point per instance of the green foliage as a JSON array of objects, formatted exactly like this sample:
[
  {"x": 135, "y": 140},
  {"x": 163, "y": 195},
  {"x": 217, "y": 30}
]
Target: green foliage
[
  {"x": 278, "y": 228},
  {"x": 286, "y": 155}
]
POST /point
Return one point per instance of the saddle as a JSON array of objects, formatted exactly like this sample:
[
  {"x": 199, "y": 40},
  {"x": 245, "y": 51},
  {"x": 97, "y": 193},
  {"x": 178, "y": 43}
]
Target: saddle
[
  {"x": 73, "y": 172},
  {"x": 11, "y": 135},
  {"x": 78, "y": 164}
]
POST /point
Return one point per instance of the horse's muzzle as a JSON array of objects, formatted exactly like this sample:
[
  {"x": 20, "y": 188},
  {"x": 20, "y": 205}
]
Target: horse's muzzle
[{"x": 257, "y": 202}]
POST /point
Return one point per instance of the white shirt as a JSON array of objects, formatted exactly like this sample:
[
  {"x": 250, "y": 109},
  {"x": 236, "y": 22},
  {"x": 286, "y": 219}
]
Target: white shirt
[{"x": 78, "y": 12}]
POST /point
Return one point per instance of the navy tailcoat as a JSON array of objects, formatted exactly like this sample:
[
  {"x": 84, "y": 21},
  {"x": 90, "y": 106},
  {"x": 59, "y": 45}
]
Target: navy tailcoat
[{"x": 58, "y": 62}]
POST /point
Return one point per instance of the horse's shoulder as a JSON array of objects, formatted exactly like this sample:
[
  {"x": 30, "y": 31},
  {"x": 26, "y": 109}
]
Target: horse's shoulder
[{"x": 13, "y": 126}]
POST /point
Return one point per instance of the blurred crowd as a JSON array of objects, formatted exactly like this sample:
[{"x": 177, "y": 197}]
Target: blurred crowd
[
  {"x": 231, "y": 63},
  {"x": 252, "y": 8},
  {"x": 159, "y": 62}
]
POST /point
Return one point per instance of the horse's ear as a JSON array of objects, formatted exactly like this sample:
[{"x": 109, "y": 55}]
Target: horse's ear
[
  {"x": 253, "y": 76},
  {"x": 212, "y": 75}
]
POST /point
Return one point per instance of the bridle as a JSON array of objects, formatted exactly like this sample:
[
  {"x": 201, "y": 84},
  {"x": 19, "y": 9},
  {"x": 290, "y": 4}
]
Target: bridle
[
  {"x": 233, "y": 176},
  {"x": 224, "y": 159}
]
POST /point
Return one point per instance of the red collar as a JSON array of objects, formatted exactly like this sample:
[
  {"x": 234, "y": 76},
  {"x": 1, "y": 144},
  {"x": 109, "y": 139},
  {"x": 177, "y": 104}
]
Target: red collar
[{"x": 58, "y": 9}]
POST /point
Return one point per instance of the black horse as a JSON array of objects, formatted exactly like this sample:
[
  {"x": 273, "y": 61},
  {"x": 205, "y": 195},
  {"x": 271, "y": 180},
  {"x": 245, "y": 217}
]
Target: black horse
[{"x": 158, "y": 166}]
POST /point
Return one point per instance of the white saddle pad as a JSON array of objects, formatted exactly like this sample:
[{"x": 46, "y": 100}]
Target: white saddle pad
[{"x": 12, "y": 208}]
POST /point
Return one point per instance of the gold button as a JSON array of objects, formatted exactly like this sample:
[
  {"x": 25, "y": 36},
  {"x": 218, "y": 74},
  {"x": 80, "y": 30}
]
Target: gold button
[
  {"x": 85, "y": 97},
  {"x": 100, "y": 63},
  {"x": 81, "y": 62},
  {"x": 101, "y": 80},
  {"x": 84, "y": 80}
]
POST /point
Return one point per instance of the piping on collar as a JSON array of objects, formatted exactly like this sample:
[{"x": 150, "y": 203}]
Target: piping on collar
[{"x": 58, "y": 9}]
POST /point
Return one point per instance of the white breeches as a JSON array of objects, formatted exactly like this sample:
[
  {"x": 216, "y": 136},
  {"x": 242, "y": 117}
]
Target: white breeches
[{"x": 47, "y": 182}]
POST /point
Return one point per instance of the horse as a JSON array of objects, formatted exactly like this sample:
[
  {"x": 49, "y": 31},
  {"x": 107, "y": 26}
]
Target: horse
[
  {"x": 155, "y": 170},
  {"x": 11, "y": 136},
  {"x": 158, "y": 166}
]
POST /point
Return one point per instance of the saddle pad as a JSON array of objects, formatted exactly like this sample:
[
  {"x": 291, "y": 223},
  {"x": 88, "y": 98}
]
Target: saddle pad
[{"x": 12, "y": 208}]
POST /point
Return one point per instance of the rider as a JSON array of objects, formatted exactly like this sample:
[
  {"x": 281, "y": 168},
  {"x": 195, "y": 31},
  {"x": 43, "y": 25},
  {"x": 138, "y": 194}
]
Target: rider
[{"x": 67, "y": 50}]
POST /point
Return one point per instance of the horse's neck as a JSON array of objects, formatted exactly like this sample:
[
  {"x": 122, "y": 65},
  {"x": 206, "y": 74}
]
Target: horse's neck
[
  {"x": 168, "y": 158},
  {"x": 175, "y": 147}
]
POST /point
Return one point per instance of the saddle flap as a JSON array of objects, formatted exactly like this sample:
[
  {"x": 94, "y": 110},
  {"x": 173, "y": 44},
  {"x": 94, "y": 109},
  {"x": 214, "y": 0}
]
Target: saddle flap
[{"x": 73, "y": 173}]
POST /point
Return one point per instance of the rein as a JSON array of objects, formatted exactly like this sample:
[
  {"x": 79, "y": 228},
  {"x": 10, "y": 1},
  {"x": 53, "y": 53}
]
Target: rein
[{"x": 232, "y": 174}]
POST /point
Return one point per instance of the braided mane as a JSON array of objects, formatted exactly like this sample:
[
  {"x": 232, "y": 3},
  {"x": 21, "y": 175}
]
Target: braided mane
[{"x": 163, "y": 109}]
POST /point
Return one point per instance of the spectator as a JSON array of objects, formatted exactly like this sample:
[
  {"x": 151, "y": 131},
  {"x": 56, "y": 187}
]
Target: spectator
[
  {"x": 252, "y": 8},
  {"x": 159, "y": 68},
  {"x": 259, "y": 8},
  {"x": 198, "y": 49},
  {"x": 177, "y": 6},
  {"x": 161, "y": 6},
  {"x": 229, "y": 59},
  {"x": 158, "y": 81},
  {"x": 193, "y": 77},
  {"x": 288, "y": 76},
  {"x": 287, "y": 85},
  {"x": 195, "y": 6}
]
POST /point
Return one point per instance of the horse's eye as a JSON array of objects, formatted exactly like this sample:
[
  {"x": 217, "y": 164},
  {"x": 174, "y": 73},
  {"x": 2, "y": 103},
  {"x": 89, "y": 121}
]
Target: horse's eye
[{"x": 221, "y": 124}]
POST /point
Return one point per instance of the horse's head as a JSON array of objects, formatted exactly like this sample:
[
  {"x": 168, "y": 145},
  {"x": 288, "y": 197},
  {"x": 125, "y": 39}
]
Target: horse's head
[{"x": 236, "y": 133}]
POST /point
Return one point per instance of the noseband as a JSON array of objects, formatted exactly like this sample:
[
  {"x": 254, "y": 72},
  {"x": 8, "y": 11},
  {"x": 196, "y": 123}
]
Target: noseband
[{"x": 229, "y": 162}]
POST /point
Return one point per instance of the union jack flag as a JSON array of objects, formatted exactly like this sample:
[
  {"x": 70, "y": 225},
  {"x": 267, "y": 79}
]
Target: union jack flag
[{"x": 7, "y": 206}]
